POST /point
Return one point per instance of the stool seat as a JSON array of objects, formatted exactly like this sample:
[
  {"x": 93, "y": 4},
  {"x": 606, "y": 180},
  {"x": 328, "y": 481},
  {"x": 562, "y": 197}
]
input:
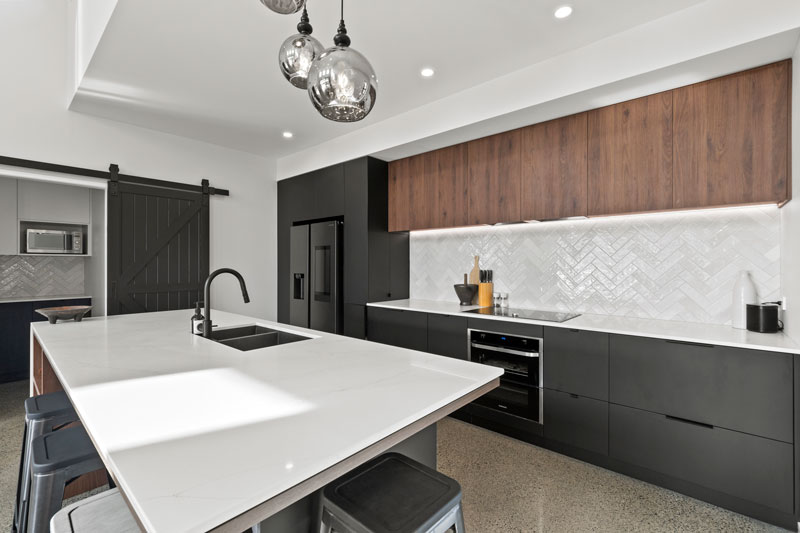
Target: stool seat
[
  {"x": 392, "y": 494},
  {"x": 54, "y": 404},
  {"x": 106, "y": 511},
  {"x": 61, "y": 449}
]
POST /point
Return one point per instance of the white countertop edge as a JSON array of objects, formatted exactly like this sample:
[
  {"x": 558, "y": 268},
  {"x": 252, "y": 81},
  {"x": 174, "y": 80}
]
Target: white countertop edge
[
  {"x": 19, "y": 299},
  {"x": 638, "y": 327}
]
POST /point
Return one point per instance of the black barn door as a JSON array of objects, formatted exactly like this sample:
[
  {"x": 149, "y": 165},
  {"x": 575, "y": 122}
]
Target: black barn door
[{"x": 158, "y": 248}]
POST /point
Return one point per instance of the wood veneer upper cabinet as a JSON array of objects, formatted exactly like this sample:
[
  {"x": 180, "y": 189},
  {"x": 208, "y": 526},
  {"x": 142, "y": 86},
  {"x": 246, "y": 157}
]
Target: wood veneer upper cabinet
[
  {"x": 495, "y": 168},
  {"x": 554, "y": 180},
  {"x": 429, "y": 190},
  {"x": 408, "y": 188},
  {"x": 447, "y": 169},
  {"x": 732, "y": 139},
  {"x": 630, "y": 156}
]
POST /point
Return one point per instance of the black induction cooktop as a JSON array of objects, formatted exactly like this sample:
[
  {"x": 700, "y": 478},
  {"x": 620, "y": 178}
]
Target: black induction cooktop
[{"x": 530, "y": 314}]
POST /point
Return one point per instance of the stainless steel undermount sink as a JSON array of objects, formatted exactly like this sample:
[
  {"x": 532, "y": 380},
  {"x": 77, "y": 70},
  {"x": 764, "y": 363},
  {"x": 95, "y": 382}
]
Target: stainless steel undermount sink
[{"x": 246, "y": 338}]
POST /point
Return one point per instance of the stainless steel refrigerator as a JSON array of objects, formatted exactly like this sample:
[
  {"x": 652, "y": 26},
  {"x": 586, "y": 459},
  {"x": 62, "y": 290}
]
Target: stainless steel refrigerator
[{"x": 315, "y": 266}]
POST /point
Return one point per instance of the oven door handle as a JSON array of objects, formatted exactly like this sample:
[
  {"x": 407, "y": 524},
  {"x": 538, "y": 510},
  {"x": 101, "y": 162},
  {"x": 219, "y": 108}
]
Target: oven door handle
[{"x": 532, "y": 355}]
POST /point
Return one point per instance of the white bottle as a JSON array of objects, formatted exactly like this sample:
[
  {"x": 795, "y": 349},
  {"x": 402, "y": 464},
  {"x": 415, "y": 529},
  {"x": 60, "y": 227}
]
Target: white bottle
[{"x": 744, "y": 292}]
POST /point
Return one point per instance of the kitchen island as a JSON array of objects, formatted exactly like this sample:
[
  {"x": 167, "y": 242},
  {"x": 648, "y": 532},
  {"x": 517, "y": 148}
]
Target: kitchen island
[{"x": 200, "y": 436}]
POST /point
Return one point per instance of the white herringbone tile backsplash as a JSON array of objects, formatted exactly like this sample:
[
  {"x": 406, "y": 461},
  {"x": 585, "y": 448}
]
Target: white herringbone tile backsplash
[
  {"x": 29, "y": 276},
  {"x": 672, "y": 266}
]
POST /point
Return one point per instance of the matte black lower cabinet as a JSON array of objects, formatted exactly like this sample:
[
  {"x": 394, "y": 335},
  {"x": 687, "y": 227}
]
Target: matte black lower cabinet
[
  {"x": 576, "y": 362},
  {"x": 406, "y": 329},
  {"x": 752, "y": 468},
  {"x": 576, "y": 420},
  {"x": 355, "y": 320},
  {"x": 447, "y": 335},
  {"x": 743, "y": 390}
]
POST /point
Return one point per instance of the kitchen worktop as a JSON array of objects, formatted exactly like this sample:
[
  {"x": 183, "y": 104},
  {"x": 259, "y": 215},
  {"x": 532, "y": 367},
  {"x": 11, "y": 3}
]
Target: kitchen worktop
[
  {"x": 17, "y": 299},
  {"x": 640, "y": 327},
  {"x": 196, "y": 433}
]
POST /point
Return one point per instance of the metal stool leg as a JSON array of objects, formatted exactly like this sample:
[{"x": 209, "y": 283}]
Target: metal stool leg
[
  {"x": 23, "y": 476},
  {"x": 47, "y": 493},
  {"x": 460, "y": 520}
]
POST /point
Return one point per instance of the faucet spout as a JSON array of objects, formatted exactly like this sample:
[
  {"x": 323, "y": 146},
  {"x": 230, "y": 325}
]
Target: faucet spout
[{"x": 207, "y": 325}]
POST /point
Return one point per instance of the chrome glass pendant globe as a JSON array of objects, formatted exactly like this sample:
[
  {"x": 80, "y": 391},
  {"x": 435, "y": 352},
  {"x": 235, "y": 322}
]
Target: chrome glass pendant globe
[
  {"x": 284, "y": 7},
  {"x": 342, "y": 84},
  {"x": 298, "y": 52}
]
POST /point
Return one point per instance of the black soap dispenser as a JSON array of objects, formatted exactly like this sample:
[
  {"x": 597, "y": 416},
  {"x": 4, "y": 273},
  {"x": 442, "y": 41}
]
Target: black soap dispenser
[{"x": 197, "y": 319}]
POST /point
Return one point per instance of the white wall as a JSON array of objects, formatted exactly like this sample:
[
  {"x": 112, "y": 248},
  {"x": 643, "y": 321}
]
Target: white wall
[
  {"x": 790, "y": 219},
  {"x": 35, "y": 124}
]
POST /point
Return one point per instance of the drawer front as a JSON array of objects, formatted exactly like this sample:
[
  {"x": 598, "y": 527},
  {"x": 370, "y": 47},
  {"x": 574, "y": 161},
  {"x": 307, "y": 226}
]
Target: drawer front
[
  {"x": 447, "y": 335},
  {"x": 743, "y": 390},
  {"x": 502, "y": 326},
  {"x": 576, "y": 362},
  {"x": 576, "y": 420},
  {"x": 745, "y": 466},
  {"x": 406, "y": 329}
]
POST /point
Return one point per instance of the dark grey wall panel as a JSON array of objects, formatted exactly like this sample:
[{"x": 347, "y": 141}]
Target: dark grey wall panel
[
  {"x": 406, "y": 329},
  {"x": 743, "y": 390},
  {"x": 576, "y": 420},
  {"x": 576, "y": 362},
  {"x": 447, "y": 335},
  {"x": 748, "y": 467},
  {"x": 355, "y": 321}
]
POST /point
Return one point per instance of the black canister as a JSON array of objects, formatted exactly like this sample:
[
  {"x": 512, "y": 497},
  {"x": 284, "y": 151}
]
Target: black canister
[{"x": 763, "y": 318}]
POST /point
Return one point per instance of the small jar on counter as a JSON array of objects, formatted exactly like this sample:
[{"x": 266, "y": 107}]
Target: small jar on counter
[
  {"x": 496, "y": 299},
  {"x": 504, "y": 300}
]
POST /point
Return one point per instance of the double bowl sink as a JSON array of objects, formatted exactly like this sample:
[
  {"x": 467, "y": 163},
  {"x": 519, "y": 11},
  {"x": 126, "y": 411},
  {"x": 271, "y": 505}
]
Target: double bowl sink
[{"x": 254, "y": 337}]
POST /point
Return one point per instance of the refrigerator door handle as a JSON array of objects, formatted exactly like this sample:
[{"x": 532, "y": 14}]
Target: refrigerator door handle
[{"x": 299, "y": 286}]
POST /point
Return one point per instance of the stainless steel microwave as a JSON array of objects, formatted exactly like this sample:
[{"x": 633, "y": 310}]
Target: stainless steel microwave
[{"x": 50, "y": 241}]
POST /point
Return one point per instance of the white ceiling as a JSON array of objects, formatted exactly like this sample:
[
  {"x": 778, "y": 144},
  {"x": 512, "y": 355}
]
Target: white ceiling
[{"x": 207, "y": 69}]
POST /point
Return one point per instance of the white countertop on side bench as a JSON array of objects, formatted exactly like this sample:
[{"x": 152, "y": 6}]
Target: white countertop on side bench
[
  {"x": 640, "y": 327},
  {"x": 197, "y": 433},
  {"x": 18, "y": 299}
]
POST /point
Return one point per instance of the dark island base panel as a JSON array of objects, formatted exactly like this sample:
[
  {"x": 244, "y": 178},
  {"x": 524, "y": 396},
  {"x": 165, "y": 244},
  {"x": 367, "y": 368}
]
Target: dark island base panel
[
  {"x": 303, "y": 515},
  {"x": 485, "y": 419}
]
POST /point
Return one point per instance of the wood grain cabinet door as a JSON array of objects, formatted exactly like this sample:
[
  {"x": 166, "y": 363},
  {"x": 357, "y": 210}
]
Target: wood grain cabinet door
[
  {"x": 554, "y": 180},
  {"x": 447, "y": 170},
  {"x": 494, "y": 178},
  {"x": 410, "y": 195},
  {"x": 630, "y": 156},
  {"x": 731, "y": 139}
]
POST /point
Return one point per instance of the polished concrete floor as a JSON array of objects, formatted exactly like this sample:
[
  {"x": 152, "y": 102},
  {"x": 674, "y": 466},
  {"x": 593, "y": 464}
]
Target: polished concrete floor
[{"x": 509, "y": 486}]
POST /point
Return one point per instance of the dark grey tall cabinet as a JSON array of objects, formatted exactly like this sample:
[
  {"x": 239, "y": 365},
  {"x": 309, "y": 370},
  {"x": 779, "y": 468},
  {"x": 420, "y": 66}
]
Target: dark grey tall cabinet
[{"x": 375, "y": 262}]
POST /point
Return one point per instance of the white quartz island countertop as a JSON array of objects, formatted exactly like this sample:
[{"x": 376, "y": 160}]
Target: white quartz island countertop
[
  {"x": 621, "y": 325},
  {"x": 196, "y": 433}
]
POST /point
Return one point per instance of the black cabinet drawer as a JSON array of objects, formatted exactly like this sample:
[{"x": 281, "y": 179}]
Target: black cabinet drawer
[
  {"x": 752, "y": 468},
  {"x": 447, "y": 335},
  {"x": 576, "y": 362},
  {"x": 576, "y": 420},
  {"x": 743, "y": 390},
  {"x": 502, "y": 326},
  {"x": 406, "y": 329}
]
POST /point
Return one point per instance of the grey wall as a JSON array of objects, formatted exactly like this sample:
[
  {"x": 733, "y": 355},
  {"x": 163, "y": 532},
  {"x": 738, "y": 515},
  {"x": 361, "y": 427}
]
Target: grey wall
[{"x": 95, "y": 270}]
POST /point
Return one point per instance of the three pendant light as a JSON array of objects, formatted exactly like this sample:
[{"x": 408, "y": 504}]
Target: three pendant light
[{"x": 340, "y": 81}]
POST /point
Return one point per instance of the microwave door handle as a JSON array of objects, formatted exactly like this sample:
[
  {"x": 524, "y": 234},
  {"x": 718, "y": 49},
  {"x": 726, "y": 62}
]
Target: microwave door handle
[{"x": 501, "y": 349}]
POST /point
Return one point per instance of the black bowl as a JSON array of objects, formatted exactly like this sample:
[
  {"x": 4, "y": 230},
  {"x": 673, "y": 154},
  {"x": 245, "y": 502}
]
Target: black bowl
[{"x": 466, "y": 293}]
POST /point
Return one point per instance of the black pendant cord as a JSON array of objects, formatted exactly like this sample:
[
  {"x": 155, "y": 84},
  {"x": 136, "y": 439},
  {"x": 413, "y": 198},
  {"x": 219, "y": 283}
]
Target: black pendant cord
[
  {"x": 304, "y": 26},
  {"x": 341, "y": 38}
]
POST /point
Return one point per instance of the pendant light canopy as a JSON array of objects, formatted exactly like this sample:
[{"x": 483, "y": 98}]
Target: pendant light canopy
[
  {"x": 284, "y": 7},
  {"x": 298, "y": 52},
  {"x": 342, "y": 84}
]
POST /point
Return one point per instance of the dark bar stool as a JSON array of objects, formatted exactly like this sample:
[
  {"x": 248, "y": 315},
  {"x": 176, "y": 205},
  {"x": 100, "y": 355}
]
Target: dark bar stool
[
  {"x": 57, "y": 459},
  {"x": 392, "y": 494},
  {"x": 43, "y": 414},
  {"x": 106, "y": 511}
]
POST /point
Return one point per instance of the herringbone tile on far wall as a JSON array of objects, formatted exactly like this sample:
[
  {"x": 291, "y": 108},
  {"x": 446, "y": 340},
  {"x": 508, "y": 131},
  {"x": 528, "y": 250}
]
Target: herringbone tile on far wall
[{"x": 679, "y": 266}]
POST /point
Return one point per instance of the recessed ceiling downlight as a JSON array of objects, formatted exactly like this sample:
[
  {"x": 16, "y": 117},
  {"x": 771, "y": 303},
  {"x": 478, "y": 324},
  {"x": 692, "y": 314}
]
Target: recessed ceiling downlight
[
  {"x": 563, "y": 12},
  {"x": 288, "y": 134},
  {"x": 427, "y": 72}
]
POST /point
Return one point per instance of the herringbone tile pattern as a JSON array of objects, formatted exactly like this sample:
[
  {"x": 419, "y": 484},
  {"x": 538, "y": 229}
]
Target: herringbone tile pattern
[
  {"x": 672, "y": 266},
  {"x": 27, "y": 276}
]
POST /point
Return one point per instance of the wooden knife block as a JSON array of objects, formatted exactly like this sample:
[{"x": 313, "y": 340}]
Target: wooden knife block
[{"x": 485, "y": 294}]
